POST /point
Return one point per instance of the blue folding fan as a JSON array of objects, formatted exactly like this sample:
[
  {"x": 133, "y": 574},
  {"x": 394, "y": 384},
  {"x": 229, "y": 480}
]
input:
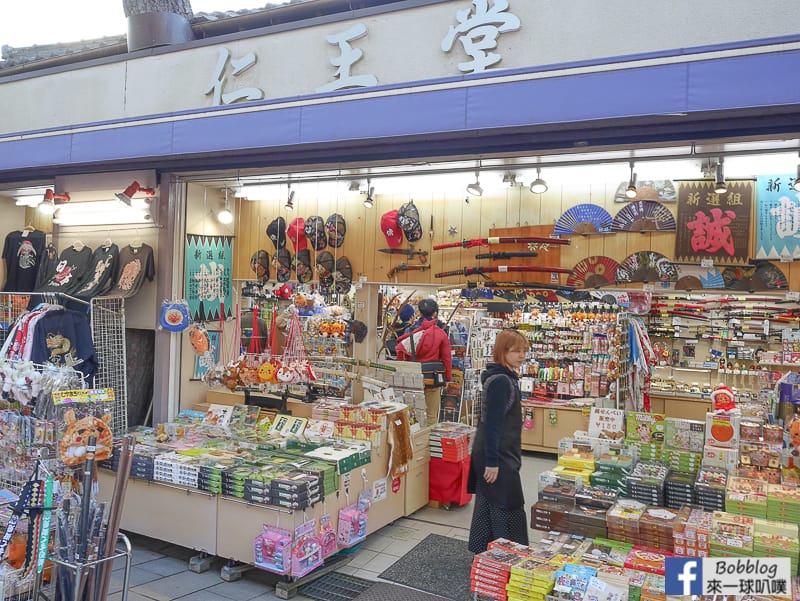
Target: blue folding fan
[
  {"x": 644, "y": 216},
  {"x": 584, "y": 219}
]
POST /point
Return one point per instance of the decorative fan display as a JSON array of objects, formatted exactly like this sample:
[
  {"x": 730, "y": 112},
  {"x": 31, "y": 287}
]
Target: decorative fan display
[
  {"x": 593, "y": 272},
  {"x": 695, "y": 277},
  {"x": 646, "y": 266},
  {"x": 662, "y": 190},
  {"x": 644, "y": 216},
  {"x": 763, "y": 276},
  {"x": 584, "y": 219}
]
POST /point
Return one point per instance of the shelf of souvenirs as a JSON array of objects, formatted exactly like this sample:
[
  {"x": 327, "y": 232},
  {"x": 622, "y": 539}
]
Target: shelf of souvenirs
[{"x": 752, "y": 370}]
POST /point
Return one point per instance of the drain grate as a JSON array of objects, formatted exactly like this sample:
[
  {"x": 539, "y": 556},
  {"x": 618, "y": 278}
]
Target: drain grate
[{"x": 335, "y": 586}]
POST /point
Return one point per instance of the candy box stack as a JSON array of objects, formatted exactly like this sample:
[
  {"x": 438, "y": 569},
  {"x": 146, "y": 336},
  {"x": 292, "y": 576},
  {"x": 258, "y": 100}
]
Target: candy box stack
[
  {"x": 722, "y": 430},
  {"x": 656, "y": 527},
  {"x": 776, "y": 539},
  {"x": 623, "y": 520},
  {"x": 646, "y": 482},
  {"x": 709, "y": 490},
  {"x": 490, "y": 572},
  {"x": 684, "y": 434},
  {"x": 559, "y": 493},
  {"x": 610, "y": 552},
  {"x": 783, "y": 503},
  {"x": 691, "y": 532},
  {"x": 577, "y": 458},
  {"x": 731, "y": 535},
  {"x": 682, "y": 461},
  {"x": 549, "y": 515},
  {"x": 647, "y": 560},
  {"x": 611, "y": 470},
  {"x": 635, "y": 583},
  {"x": 530, "y": 580},
  {"x": 653, "y": 588},
  {"x": 451, "y": 441},
  {"x": 571, "y": 582},
  {"x": 746, "y": 496},
  {"x": 718, "y": 457},
  {"x": 596, "y": 496},
  {"x": 587, "y": 521},
  {"x": 644, "y": 428},
  {"x": 678, "y": 489}
]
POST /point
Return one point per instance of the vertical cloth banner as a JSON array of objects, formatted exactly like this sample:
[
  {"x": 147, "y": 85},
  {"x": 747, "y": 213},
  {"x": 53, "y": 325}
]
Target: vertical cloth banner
[
  {"x": 711, "y": 225},
  {"x": 777, "y": 218},
  {"x": 209, "y": 276}
]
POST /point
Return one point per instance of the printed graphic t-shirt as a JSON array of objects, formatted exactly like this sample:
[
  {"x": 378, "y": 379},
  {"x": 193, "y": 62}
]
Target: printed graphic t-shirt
[
  {"x": 47, "y": 267},
  {"x": 23, "y": 252},
  {"x": 65, "y": 338},
  {"x": 102, "y": 272},
  {"x": 135, "y": 264},
  {"x": 71, "y": 270}
]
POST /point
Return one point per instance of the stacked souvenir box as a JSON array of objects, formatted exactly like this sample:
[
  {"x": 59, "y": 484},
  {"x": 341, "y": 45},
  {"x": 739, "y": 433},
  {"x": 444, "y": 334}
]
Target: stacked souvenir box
[
  {"x": 612, "y": 468},
  {"x": 647, "y": 559},
  {"x": 722, "y": 430},
  {"x": 646, "y": 482},
  {"x": 709, "y": 488},
  {"x": 609, "y": 552},
  {"x": 767, "y": 474},
  {"x": 587, "y": 521},
  {"x": 347, "y": 456},
  {"x": 684, "y": 434},
  {"x": 679, "y": 489},
  {"x": 607, "y": 585},
  {"x": 324, "y": 470},
  {"x": 731, "y": 535},
  {"x": 691, "y": 532},
  {"x": 572, "y": 581},
  {"x": 623, "y": 520},
  {"x": 776, "y": 539},
  {"x": 645, "y": 432},
  {"x": 653, "y": 588},
  {"x": 209, "y": 473},
  {"x": 746, "y": 496},
  {"x": 295, "y": 490},
  {"x": 682, "y": 461},
  {"x": 549, "y": 515},
  {"x": 577, "y": 458},
  {"x": 656, "y": 526},
  {"x": 143, "y": 461},
  {"x": 491, "y": 571},
  {"x": 451, "y": 442},
  {"x": 176, "y": 469},
  {"x": 530, "y": 580},
  {"x": 783, "y": 503},
  {"x": 635, "y": 583},
  {"x": 596, "y": 496},
  {"x": 766, "y": 458},
  {"x": 233, "y": 480}
]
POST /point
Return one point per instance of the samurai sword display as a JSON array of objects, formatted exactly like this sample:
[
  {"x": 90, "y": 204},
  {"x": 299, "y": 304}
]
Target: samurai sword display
[
  {"x": 467, "y": 271},
  {"x": 405, "y": 267},
  {"x": 501, "y": 240},
  {"x": 508, "y": 255},
  {"x": 409, "y": 252}
]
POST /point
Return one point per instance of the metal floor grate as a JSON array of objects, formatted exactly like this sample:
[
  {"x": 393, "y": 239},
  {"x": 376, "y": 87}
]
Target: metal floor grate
[{"x": 335, "y": 586}]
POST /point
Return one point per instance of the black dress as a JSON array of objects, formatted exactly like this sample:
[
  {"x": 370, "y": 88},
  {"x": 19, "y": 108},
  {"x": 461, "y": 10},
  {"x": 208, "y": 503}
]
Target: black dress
[{"x": 499, "y": 507}]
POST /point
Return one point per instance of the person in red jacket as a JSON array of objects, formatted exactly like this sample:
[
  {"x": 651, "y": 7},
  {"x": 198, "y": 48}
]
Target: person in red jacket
[{"x": 430, "y": 343}]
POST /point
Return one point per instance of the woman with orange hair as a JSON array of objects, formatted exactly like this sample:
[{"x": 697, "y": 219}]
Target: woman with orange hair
[{"x": 497, "y": 451}]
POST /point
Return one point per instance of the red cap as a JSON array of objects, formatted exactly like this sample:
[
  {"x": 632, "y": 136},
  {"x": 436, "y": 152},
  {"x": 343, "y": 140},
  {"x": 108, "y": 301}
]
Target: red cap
[
  {"x": 391, "y": 229},
  {"x": 296, "y": 234}
]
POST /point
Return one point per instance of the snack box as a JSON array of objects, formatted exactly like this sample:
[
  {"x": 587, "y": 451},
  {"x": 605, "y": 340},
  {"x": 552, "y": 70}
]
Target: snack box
[
  {"x": 720, "y": 458},
  {"x": 769, "y": 475},
  {"x": 647, "y": 559},
  {"x": 577, "y": 459},
  {"x": 553, "y": 492},
  {"x": 596, "y": 496},
  {"x": 626, "y": 511},
  {"x": 685, "y": 434},
  {"x": 722, "y": 430},
  {"x": 592, "y": 517},
  {"x": 644, "y": 427},
  {"x": 615, "y": 460}
]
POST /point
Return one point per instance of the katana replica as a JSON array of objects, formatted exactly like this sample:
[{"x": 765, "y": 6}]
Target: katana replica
[
  {"x": 501, "y": 240},
  {"x": 468, "y": 271},
  {"x": 508, "y": 255},
  {"x": 408, "y": 252}
]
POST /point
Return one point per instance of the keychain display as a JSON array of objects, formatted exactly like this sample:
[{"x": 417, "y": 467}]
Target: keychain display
[
  {"x": 273, "y": 550},
  {"x": 174, "y": 316}
]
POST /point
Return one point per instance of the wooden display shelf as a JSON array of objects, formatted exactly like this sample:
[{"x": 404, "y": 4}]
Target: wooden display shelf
[
  {"x": 676, "y": 405},
  {"x": 544, "y": 437}
]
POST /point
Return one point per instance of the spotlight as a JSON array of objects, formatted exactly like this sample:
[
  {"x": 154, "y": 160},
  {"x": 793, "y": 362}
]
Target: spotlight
[
  {"x": 796, "y": 185},
  {"x": 126, "y": 197},
  {"x": 354, "y": 187},
  {"x": 50, "y": 197},
  {"x": 719, "y": 184},
  {"x": 369, "y": 201},
  {"x": 225, "y": 216},
  {"x": 538, "y": 186},
  {"x": 475, "y": 187},
  {"x": 290, "y": 201},
  {"x": 47, "y": 207},
  {"x": 630, "y": 191}
]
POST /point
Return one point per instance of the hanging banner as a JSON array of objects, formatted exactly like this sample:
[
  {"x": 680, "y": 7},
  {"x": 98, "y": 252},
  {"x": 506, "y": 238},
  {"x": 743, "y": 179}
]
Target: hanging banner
[
  {"x": 713, "y": 226},
  {"x": 777, "y": 218},
  {"x": 209, "y": 276}
]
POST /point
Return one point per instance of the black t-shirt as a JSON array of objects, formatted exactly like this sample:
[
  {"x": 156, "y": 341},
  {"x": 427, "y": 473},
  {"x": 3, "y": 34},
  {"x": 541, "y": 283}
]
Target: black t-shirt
[
  {"x": 135, "y": 264},
  {"x": 102, "y": 272},
  {"x": 47, "y": 267},
  {"x": 71, "y": 270},
  {"x": 23, "y": 252}
]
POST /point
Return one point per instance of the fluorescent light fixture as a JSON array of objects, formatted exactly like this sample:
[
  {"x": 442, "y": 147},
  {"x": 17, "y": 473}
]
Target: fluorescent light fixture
[
  {"x": 475, "y": 188},
  {"x": 28, "y": 200},
  {"x": 719, "y": 185},
  {"x": 630, "y": 191},
  {"x": 538, "y": 186},
  {"x": 99, "y": 212}
]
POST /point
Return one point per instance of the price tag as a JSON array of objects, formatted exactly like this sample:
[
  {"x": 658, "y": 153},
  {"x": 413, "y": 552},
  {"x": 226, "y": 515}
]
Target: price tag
[
  {"x": 793, "y": 296},
  {"x": 786, "y": 258},
  {"x": 707, "y": 263},
  {"x": 502, "y": 268},
  {"x": 648, "y": 287}
]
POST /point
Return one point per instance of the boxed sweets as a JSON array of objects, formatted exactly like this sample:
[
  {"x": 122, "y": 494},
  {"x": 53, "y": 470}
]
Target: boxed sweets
[
  {"x": 679, "y": 489},
  {"x": 731, "y": 535},
  {"x": 783, "y": 503},
  {"x": 710, "y": 487},
  {"x": 610, "y": 552},
  {"x": 644, "y": 428},
  {"x": 746, "y": 496},
  {"x": 652, "y": 451},
  {"x": 563, "y": 494},
  {"x": 684, "y": 434},
  {"x": 768, "y": 475},
  {"x": 616, "y": 461},
  {"x": 682, "y": 461},
  {"x": 776, "y": 539},
  {"x": 596, "y": 496},
  {"x": 623, "y": 520},
  {"x": 653, "y": 588},
  {"x": 549, "y": 515},
  {"x": 576, "y": 458},
  {"x": 761, "y": 455},
  {"x": 722, "y": 430},
  {"x": 646, "y": 559},
  {"x": 587, "y": 521},
  {"x": 646, "y": 482}
]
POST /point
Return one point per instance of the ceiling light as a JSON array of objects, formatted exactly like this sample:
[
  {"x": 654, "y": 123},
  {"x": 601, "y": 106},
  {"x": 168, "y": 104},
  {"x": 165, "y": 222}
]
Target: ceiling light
[
  {"x": 510, "y": 179},
  {"x": 290, "y": 201},
  {"x": 28, "y": 200},
  {"x": 225, "y": 216},
  {"x": 538, "y": 186},
  {"x": 630, "y": 191},
  {"x": 50, "y": 196},
  {"x": 47, "y": 207},
  {"x": 719, "y": 185},
  {"x": 475, "y": 187},
  {"x": 354, "y": 187},
  {"x": 126, "y": 197},
  {"x": 796, "y": 185},
  {"x": 369, "y": 201}
]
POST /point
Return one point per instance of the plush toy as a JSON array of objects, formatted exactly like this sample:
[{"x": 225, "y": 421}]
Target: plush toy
[
  {"x": 266, "y": 372},
  {"x": 230, "y": 377},
  {"x": 198, "y": 337},
  {"x": 72, "y": 447},
  {"x": 286, "y": 375},
  {"x": 794, "y": 436}
]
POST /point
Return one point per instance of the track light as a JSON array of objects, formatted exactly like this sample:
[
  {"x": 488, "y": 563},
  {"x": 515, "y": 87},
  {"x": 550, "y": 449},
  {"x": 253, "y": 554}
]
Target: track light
[
  {"x": 354, "y": 186},
  {"x": 126, "y": 197},
  {"x": 719, "y": 185},
  {"x": 369, "y": 201},
  {"x": 475, "y": 188},
  {"x": 290, "y": 201},
  {"x": 796, "y": 185},
  {"x": 225, "y": 216},
  {"x": 48, "y": 205},
  {"x": 630, "y": 191},
  {"x": 538, "y": 186}
]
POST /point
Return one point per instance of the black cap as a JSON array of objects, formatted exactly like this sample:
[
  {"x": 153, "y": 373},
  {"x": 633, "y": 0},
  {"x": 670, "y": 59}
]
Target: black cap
[
  {"x": 358, "y": 329},
  {"x": 336, "y": 229},
  {"x": 408, "y": 219},
  {"x": 276, "y": 231},
  {"x": 259, "y": 263},
  {"x": 315, "y": 232}
]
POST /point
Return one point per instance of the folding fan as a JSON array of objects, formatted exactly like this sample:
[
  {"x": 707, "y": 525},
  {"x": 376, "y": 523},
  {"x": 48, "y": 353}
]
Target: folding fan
[
  {"x": 644, "y": 216},
  {"x": 695, "y": 277},
  {"x": 646, "y": 266},
  {"x": 763, "y": 276},
  {"x": 584, "y": 219},
  {"x": 662, "y": 190},
  {"x": 593, "y": 272}
]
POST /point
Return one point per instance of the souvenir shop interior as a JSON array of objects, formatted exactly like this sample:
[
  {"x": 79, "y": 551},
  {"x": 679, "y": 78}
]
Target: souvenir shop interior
[{"x": 656, "y": 287}]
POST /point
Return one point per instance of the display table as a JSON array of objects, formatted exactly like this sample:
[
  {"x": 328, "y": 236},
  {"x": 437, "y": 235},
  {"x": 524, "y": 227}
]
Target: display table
[{"x": 448, "y": 481}]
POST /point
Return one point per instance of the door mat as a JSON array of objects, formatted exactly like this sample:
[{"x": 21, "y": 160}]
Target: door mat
[
  {"x": 386, "y": 591},
  {"x": 438, "y": 564},
  {"x": 335, "y": 586}
]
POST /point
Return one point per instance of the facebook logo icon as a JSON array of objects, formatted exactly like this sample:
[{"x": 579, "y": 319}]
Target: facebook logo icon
[{"x": 683, "y": 576}]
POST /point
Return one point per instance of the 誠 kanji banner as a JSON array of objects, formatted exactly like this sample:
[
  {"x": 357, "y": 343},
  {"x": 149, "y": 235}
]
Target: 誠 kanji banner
[
  {"x": 209, "y": 276},
  {"x": 778, "y": 218},
  {"x": 713, "y": 226}
]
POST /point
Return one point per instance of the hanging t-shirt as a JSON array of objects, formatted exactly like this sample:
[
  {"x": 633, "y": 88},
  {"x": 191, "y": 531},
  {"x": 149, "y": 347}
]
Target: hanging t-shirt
[
  {"x": 71, "y": 270},
  {"x": 23, "y": 252},
  {"x": 65, "y": 338},
  {"x": 47, "y": 267},
  {"x": 102, "y": 272},
  {"x": 135, "y": 264}
]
